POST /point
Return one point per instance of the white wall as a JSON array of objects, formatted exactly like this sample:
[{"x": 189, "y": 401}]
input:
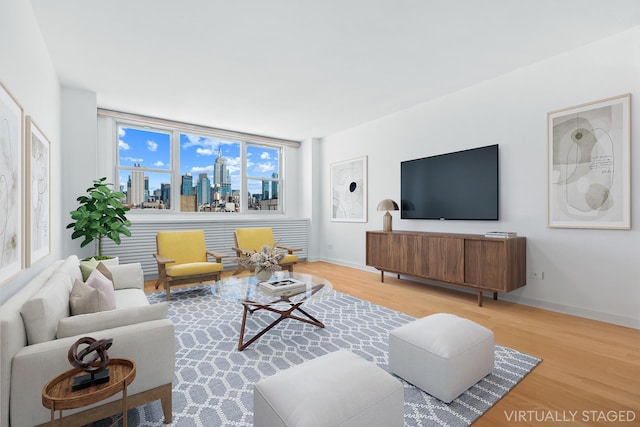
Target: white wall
[
  {"x": 80, "y": 154},
  {"x": 27, "y": 71},
  {"x": 590, "y": 273}
]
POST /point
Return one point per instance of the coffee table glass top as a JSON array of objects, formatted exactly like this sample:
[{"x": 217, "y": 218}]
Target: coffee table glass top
[{"x": 247, "y": 289}]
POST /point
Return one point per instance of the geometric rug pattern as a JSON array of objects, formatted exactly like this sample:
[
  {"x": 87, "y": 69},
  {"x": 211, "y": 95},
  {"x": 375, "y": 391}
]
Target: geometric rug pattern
[{"x": 213, "y": 383}]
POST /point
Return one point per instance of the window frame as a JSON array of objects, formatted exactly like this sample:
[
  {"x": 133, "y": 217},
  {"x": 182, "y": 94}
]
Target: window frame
[{"x": 175, "y": 129}]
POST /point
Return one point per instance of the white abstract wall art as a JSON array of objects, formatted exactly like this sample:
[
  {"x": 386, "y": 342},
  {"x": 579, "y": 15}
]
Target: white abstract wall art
[
  {"x": 11, "y": 215},
  {"x": 589, "y": 165},
  {"x": 349, "y": 190},
  {"x": 38, "y": 193}
]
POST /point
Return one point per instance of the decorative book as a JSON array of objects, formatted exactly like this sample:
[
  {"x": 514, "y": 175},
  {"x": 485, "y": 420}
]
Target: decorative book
[
  {"x": 283, "y": 287},
  {"x": 500, "y": 234}
]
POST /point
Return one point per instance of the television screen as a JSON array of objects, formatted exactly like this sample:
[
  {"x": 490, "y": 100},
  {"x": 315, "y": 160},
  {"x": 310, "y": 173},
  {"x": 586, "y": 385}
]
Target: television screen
[{"x": 461, "y": 185}]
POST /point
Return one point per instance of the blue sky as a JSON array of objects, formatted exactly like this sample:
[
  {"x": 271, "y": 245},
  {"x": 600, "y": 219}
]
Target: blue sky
[{"x": 151, "y": 149}]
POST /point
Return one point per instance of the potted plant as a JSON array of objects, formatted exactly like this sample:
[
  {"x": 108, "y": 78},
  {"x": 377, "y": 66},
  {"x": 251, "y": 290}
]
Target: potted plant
[
  {"x": 100, "y": 214},
  {"x": 263, "y": 262}
]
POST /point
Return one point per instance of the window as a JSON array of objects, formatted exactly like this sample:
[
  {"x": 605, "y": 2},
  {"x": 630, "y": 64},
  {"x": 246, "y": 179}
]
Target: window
[
  {"x": 263, "y": 171},
  {"x": 169, "y": 166},
  {"x": 209, "y": 174},
  {"x": 144, "y": 160}
]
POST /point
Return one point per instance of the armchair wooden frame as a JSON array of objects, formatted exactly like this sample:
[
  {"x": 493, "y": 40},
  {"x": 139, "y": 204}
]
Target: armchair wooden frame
[
  {"x": 167, "y": 281},
  {"x": 286, "y": 265}
]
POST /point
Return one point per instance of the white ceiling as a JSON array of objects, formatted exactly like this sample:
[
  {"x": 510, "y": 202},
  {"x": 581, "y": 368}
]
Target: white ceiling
[{"x": 305, "y": 68}]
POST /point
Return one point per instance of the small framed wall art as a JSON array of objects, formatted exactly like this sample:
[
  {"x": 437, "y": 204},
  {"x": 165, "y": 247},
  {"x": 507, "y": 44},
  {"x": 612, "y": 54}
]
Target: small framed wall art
[
  {"x": 11, "y": 175},
  {"x": 38, "y": 197},
  {"x": 349, "y": 190},
  {"x": 589, "y": 165}
]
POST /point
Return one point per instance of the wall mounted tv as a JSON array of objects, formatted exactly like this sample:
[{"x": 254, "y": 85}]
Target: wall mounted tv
[{"x": 462, "y": 185}]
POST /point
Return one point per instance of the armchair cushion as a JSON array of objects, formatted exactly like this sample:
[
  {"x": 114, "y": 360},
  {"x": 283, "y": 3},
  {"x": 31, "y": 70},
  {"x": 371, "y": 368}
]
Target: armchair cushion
[
  {"x": 182, "y": 247},
  {"x": 194, "y": 268},
  {"x": 252, "y": 239}
]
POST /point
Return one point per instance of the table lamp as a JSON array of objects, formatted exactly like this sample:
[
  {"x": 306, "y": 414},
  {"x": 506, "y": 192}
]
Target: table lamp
[{"x": 387, "y": 205}]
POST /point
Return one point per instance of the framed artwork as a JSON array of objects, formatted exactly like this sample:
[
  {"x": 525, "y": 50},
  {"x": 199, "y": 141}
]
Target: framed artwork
[
  {"x": 11, "y": 124},
  {"x": 349, "y": 190},
  {"x": 38, "y": 201},
  {"x": 589, "y": 165}
]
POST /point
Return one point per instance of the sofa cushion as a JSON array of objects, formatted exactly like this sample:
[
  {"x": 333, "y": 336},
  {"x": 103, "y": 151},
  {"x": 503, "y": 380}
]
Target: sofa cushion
[
  {"x": 87, "y": 266},
  {"x": 44, "y": 309},
  {"x": 127, "y": 276},
  {"x": 86, "y": 299},
  {"x": 88, "y": 323},
  {"x": 126, "y": 298},
  {"x": 102, "y": 268},
  {"x": 99, "y": 281}
]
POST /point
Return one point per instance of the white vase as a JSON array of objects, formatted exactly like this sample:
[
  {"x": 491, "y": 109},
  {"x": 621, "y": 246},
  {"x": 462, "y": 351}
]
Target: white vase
[{"x": 263, "y": 275}]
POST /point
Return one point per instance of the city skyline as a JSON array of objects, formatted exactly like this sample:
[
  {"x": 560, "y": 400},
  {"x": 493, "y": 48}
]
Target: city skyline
[{"x": 151, "y": 150}]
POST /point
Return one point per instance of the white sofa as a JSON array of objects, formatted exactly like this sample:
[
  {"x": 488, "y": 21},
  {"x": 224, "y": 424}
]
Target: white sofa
[{"x": 35, "y": 339}]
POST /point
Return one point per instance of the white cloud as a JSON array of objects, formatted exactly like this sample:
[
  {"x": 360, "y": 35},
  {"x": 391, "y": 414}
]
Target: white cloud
[
  {"x": 123, "y": 145},
  {"x": 121, "y": 132},
  {"x": 152, "y": 146},
  {"x": 133, "y": 159},
  {"x": 196, "y": 170},
  {"x": 265, "y": 156},
  {"x": 264, "y": 167},
  {"x": 158, "y": 164},
  {"x": 204, "y": 151}
]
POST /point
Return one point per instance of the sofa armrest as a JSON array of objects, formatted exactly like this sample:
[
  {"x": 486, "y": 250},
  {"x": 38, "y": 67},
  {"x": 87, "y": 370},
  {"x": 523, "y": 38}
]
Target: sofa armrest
[
  {"x": 149, "y": 344},
  {"x": 127, "y": 276}
]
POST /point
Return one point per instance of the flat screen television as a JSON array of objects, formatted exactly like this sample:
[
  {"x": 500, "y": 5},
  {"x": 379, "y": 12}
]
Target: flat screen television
[{"x": 462, "y": 185}]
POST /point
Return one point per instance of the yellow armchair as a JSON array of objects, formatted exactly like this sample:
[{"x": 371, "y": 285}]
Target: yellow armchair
[
  {"x": 182, "y": 258},
  {"x": 253, "y": 239}
]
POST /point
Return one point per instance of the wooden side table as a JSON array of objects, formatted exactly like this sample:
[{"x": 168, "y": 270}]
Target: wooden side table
[{"x": 57, "y": 394}]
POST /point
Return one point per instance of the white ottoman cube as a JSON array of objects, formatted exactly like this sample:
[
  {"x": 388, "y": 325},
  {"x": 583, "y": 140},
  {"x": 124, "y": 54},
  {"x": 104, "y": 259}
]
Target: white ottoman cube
[
  {"x": 337, "y": 389},
  {"x": 442, "y": 354}
]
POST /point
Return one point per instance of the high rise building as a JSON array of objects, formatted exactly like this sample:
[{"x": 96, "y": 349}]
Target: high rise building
[
  {"x": 137, "y": 187},
  {"x": 221, "y": 177},
  {"x": 204, "y": 194},
  {"x": 187, "y": 185},
  {"x": 274, "y": 186}
]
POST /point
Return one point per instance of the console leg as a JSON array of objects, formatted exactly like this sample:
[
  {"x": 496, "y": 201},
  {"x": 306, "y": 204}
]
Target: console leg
[
  {"x": 495, "y": 296},
  {"x": 382, "y": 276},
  {"x": 479, "y": 298}
]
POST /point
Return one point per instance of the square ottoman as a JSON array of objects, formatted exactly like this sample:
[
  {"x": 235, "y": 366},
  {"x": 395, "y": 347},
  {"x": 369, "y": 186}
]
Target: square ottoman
[
  {"x": 337, "y": 389},
  {"x": 442, "y": 354}
]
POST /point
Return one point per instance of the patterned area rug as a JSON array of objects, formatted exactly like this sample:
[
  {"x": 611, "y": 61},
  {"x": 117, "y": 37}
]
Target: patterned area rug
[{"x": 214, "y": 381}]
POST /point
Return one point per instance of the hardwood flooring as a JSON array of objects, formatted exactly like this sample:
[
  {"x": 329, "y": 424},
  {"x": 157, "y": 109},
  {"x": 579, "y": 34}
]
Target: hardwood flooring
[{"x": 590, "y": 373}]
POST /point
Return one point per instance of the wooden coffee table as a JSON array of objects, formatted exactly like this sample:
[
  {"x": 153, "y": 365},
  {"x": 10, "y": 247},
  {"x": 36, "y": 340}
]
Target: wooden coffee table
[
  {"x": 246, "y": 291},
  {"x": 57, "y": 394}
]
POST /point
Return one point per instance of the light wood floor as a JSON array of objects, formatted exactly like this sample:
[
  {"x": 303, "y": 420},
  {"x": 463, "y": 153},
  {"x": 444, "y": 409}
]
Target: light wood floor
[{"x": 590, "y": 371}]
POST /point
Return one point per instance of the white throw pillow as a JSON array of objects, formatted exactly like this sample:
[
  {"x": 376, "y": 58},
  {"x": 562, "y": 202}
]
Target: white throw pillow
[
  {"x": 98, "y": 281},
  {"x": 86, "y": 299},
  {"x": 43, "y": 310}
]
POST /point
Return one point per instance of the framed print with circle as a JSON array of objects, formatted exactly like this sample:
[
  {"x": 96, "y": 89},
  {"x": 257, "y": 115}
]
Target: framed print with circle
[
  {"x": 589, "y": 165},
  {"x": 349, "y": 190}
]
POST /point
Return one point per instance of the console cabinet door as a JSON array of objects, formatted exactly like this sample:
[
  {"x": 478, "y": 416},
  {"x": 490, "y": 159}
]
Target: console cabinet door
[
  {"x": 446, "y": 259},
  {"x": 486, "y": 264}
]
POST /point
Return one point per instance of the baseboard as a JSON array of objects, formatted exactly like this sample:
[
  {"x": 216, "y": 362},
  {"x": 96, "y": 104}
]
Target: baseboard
[{"x": 586, "y": 313}]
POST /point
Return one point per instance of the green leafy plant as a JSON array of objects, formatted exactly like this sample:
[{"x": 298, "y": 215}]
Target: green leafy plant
[{"x": 101, "y": 214}]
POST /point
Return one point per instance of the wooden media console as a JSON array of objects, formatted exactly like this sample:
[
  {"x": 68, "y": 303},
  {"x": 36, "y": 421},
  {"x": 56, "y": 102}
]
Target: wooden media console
[{"x": 469, "y": 260}]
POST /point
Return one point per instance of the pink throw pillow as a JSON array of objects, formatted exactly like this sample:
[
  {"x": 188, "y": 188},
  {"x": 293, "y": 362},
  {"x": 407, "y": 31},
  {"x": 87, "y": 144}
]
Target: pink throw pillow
[{"x": 98, "y": 281}]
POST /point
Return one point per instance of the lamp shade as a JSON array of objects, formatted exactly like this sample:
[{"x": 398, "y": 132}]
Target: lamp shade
[{"x": 387, "y": 205}]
